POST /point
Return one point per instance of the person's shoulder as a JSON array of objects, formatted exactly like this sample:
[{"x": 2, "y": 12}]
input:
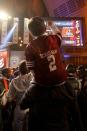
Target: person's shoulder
[
  {"x": 26, "y": 75},
  {"x": 30, "y": 76},
  {"x": 57, "y": 36},
  {"x": 15, "y": 79},
  {"x": 29, "y": 44}
]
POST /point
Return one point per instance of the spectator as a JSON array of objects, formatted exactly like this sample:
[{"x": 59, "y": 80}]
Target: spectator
[
  {"x": 82, "y": 100},
  {"x": 75, "y": 85},
  {"x": 72, "y": 79},
  {"x": 5, "y": 111},
  {"x": 48, "y": 98},
  {"x": 2, "y": 90},
  {"x": 2, "y": 86},
  {"x": 6, "y": 75},
  {"x": 17, "y": 88},
  {"x": 81, "y": 74}
]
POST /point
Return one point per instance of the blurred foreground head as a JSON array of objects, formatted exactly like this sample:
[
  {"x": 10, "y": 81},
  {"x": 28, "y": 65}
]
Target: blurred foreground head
[
  {"x": 6, "y": 72},
  {"x": 82, "y": 71},
  {"x": 71, "y": 69}
]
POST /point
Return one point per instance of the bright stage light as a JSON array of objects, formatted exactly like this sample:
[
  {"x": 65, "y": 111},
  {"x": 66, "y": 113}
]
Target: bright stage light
[{"x": 4, "y": 16}]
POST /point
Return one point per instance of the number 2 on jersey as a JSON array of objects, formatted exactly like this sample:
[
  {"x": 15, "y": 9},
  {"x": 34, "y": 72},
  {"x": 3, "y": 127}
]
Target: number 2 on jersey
[{"x": 52, "y": 64}]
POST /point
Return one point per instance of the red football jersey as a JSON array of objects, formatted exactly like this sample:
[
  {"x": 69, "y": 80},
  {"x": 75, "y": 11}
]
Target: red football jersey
[{"x": 44, "y": 57}]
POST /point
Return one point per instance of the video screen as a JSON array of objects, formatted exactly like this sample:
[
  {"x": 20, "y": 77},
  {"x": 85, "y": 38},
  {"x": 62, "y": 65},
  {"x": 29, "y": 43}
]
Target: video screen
[{"x": 71, "y": 30}]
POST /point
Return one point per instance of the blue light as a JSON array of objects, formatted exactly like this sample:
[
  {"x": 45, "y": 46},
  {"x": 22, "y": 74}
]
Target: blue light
[
  {"x": 5, "y": 42},
  {"x": 66, "y": 56}
]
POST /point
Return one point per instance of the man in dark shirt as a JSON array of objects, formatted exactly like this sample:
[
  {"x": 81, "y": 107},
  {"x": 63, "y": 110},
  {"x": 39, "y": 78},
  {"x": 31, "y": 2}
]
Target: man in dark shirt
[{"x": 48, "y": 97}]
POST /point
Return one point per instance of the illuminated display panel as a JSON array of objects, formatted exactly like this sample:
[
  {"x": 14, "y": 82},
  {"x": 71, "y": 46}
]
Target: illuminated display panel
[
  {"x": 3, "y": 59},
  {"x": 15, "y": 58},
  {"x": 71, "y": 30}
]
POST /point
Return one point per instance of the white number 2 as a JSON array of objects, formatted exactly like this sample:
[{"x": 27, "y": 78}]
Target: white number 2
[{"x": 52, "y": 64}]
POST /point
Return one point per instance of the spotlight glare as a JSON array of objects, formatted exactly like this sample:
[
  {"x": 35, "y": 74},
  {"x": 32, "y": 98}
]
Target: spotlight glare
[
  {"x": 4, "y": 16},
  {"x": 20, "y": 44}
]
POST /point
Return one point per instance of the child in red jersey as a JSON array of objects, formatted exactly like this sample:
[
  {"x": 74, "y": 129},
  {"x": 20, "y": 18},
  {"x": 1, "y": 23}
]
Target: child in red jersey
[
  {"x": 49, "y": 98},
  {"x": 43, "y": 55}
]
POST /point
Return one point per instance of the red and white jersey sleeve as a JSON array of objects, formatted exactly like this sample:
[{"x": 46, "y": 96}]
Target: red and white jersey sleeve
[{"x": 29, "y": 57}]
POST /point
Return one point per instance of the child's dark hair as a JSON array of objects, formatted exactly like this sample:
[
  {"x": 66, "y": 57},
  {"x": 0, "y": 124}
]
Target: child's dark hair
[
  {"x": 36, "y": 26},
  {"x": 23, "y": 68}
]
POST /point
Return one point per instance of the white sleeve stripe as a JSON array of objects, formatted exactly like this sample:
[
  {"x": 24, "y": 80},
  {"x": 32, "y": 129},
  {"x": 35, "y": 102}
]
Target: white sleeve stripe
[
  {"x": 30, "y": 64},
  {"x": 59, "y": 36}
]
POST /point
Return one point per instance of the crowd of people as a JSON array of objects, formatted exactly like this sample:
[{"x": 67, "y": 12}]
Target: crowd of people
[{"x": 43, "y": 93}]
